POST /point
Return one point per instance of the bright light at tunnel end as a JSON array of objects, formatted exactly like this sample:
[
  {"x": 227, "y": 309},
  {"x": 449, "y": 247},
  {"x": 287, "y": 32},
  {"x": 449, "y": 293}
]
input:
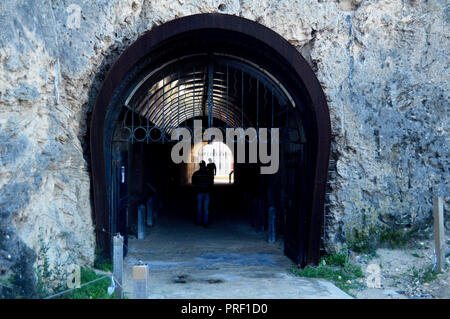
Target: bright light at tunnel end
[{"x": 236, "y": 138}]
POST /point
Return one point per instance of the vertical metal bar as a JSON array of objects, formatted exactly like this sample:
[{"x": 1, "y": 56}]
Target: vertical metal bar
[
  {"x": 242, "y": 98},
  {"x": 272, "y": 106},
  {"x": 141, "y": 221},
  {"x": 260, "y": 220},
  {"x": 132, "y": 124},
  {"x": 271, "y": 228},
  {"x": 257, "y": 105},
  {"x": 163, "y": 111},
  {"x": 178, "y": 84},
  {"x": 210, "y": 93},
  {"x": 147, "y": 135},
  {"x": 287, "y": 116},
  {"x": 226, "y": 124},
  {"x": 150, "y": 211},
  {"x": 193, "y": 106}
]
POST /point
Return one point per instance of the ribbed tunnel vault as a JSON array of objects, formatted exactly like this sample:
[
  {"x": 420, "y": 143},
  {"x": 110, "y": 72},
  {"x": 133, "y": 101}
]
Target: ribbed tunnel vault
[
  {"x": 226, "y": 91},
  {"x": 226, "y": 72}
]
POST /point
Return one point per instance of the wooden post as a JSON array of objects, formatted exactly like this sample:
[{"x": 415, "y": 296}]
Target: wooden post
[
  {"x": 140, "y": 281},
  {"x": 439, "y": 236},
  {"x": 118, "y": 264},
  {"x": 141, "y": 222}
]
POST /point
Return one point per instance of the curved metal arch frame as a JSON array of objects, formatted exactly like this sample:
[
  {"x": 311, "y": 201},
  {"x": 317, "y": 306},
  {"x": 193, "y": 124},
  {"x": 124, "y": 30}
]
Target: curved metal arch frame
[
  {"x": 157, "y": 97},
  {"x": 237, "y": 62},
  {"x": 319, "y": 120}
]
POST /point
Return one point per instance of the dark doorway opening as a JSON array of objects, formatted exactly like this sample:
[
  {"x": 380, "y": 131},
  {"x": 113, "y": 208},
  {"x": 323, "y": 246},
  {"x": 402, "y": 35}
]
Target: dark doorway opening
[{"x": 226, "y": 72}]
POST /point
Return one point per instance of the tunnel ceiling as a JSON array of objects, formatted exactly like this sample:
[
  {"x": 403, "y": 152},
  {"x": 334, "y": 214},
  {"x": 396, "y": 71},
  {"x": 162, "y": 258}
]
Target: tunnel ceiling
[{"x": 217, "y": 89}]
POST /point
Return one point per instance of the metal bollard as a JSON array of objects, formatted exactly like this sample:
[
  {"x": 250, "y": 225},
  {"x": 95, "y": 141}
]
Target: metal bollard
[
  {"x": 150, "y": 211},
  {"x": 155, "y": 205},
  {"x": 260, "y": 215},
  {"x": 141, "y": 222},
  {"x": 271, "y": 228},
  {"x": 140, "y": 281},
  {"x": 118, "y": 264}
]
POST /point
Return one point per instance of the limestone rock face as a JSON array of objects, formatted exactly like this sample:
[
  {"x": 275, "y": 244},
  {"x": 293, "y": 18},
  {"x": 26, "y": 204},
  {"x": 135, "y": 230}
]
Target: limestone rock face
[{"x": 383, "y": 66}]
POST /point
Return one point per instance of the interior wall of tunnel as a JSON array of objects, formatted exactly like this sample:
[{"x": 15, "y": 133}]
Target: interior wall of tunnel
[{"x": 151, "y": 170}]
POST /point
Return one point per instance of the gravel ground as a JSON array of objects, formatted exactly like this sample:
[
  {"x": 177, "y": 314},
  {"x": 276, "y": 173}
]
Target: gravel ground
[{"x": 405, "y": 273}]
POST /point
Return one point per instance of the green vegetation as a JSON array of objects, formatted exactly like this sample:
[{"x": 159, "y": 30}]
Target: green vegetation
[
  {"x": 397, "y": 238},
  {"x": 95, "y": 290},
  {"x": 336, "y": 268},
  {"x": 104, "y": 264},
  {"x": 336, "y": 260},
  {"x": 42, "y": 271},
  {"x": 362, "y": 241},
  {"x": 368, "y": 240},
  {"x": 7, "y": 282},
  {"x": 423, "y": 275},
  {"x": 101, "y": 261}
]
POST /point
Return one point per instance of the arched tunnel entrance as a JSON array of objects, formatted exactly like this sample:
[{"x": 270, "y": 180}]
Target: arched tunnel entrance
[{"x": 217, "y": 71}]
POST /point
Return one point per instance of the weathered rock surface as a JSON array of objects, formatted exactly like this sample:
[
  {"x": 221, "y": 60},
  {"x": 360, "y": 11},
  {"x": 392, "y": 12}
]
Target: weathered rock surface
[{"x": 383, "y": 66}]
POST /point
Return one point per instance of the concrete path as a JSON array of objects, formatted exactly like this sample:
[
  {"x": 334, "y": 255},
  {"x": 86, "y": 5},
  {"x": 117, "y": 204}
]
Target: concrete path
[{"x": 227, "y": 260}]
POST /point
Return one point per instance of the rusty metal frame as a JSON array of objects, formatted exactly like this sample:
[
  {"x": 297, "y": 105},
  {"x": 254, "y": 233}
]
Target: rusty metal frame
[{"x": 318, "y": 118}]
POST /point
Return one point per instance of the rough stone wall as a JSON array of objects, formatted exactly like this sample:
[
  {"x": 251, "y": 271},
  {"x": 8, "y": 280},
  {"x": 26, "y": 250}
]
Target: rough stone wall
[{"x": 383, "y": 66}]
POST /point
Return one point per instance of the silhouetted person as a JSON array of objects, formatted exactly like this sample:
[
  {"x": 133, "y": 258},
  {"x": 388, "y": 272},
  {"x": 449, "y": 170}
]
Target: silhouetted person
[
  {"x": 203, "y": 181},
  {"x": 211, "y": 167}
]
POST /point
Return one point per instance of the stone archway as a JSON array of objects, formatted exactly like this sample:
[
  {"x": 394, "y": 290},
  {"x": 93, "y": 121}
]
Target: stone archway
[{"x": 254, "y": 42}]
